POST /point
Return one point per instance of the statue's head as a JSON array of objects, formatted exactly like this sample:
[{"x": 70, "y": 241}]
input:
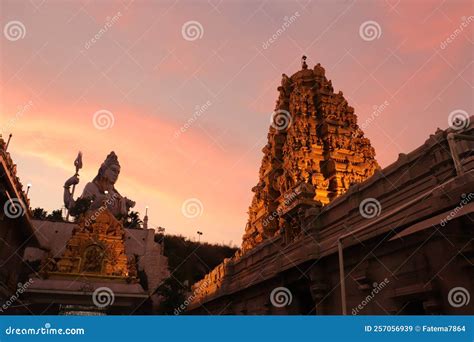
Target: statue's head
[{"x": 110, "y": 168}]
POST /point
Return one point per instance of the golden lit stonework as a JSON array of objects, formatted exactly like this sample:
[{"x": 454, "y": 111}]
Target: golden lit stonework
[
  {"x": 314, "y": 139},
  {"x": 315, "y": 152},
  {"x": 96, "y": 249}
]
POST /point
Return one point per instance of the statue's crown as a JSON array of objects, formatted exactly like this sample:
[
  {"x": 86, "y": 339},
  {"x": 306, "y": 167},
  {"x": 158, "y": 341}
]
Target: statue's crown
[{"x": 111, "y": 160}]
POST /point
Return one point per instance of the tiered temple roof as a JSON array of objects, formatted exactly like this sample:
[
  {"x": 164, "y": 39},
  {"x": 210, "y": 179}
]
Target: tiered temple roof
[
  {"x": 315, "y": 152},
  {"x": 314, "y": 140}
]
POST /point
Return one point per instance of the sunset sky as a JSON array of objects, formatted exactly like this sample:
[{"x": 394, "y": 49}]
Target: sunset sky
[{"x": 147, "y": 74}]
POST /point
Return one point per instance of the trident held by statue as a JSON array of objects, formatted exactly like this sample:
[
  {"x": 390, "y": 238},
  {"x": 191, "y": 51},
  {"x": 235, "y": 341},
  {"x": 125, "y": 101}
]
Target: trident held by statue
[{"x": 78, "y": 165}]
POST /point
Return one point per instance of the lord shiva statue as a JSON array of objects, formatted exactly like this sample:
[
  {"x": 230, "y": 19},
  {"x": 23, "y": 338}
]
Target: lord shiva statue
[{"x": 100, "y": 192}]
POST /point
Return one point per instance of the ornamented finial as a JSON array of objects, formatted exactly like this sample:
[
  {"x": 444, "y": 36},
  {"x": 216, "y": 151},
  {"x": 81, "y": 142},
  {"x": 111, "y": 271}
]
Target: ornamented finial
[{"x": 303, "y": 63}]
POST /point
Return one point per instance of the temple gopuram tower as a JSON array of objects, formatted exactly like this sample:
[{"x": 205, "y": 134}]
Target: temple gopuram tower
[{"x": 315, "y": 152}]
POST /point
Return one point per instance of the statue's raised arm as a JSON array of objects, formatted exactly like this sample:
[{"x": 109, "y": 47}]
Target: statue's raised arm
[
  {"x": 68, "y": 194},
  {"x": 74, "y": 180}
]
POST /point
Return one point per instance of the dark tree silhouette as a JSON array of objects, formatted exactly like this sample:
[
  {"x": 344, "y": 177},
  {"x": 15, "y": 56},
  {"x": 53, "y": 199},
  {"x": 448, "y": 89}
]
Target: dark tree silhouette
[
  {"x": 39, "y": 214},
  {"x": 56, "y": 215},
  {"x": 80, "y": 206},
  {"x": 133, "y": 220},
  {"x": 188, "y": 262},
  {"x": 173, "y": 296}
]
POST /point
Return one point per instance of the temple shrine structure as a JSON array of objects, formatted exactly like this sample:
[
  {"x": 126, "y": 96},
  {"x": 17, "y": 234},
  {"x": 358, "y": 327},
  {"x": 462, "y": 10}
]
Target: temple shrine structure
[
  {"x": 328, "y": 228},
  {"x": 314, "y": 144},
  {"x": 328, "y": 231},
  {"x": 88, "y": 265}
]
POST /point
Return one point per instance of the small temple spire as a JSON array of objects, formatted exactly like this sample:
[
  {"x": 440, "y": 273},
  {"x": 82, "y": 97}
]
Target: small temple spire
[
  {"x": 8, "y": 141},
  {"x": 145, "y": 219}
]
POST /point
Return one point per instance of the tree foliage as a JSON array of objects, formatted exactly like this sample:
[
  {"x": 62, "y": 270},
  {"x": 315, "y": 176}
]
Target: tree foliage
[
  {"x": 173, "y": 294},
  {"x": 56, "y": 215},
  {"x": 39, "y": 214},
  {"x": 188, "y": 262},
  {"x": 132, "y": 220}
]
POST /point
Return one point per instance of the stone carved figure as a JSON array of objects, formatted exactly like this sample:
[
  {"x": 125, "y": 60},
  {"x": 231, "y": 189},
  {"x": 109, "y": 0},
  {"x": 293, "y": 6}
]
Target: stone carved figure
[
  {"x": 93, "y": 257},
  {"x": 49, "y": 264},
  {"x": 132, "y": 267},
  {"x": 97, "y": 245},
  {"x": 285, "y": 81},
  {"x": 101, "y": 191}
]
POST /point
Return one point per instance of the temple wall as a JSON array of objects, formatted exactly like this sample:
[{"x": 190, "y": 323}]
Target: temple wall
[
  {"x": 412, "y": 277},
  {"x": 416, "y": 193}
]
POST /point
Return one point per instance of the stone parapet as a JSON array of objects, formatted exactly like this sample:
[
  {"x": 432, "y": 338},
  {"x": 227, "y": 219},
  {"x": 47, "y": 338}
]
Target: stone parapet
[{"x": 418, "y": 190}]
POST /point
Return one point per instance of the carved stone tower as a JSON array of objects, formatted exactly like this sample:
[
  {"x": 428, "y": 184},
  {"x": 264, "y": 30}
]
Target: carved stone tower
[{"x": 314, "y": 146}]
